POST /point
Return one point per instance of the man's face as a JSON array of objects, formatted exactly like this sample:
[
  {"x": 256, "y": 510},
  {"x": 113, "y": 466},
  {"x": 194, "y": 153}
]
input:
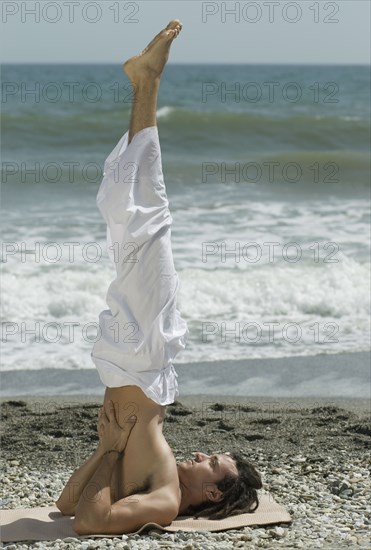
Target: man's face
[{"x": 203, "y": 472}]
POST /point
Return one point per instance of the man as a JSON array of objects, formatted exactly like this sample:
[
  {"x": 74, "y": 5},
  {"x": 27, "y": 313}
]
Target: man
[{"x": 132, "y": 478}]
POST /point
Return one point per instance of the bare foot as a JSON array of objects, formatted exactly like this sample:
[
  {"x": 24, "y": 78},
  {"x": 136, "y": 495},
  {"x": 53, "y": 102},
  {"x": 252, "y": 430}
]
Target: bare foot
[{"x": 151, "y": 61}]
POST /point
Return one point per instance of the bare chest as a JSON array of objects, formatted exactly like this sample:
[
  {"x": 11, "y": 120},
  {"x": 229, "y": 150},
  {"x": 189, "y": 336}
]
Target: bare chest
[{"x": 145, "y": 466}]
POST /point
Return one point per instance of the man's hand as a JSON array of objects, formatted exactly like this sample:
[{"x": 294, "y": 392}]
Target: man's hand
[{"x": 111, "y": 435}]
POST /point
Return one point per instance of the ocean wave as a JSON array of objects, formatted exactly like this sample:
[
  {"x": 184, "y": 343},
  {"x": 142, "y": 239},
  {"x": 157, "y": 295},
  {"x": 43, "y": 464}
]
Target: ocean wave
[
  {"x": 164, "y": 111},
  {"x": 319, "y": 302},
  {"x": 198, "y": 130},
  {"x": 323, "y": 169}
]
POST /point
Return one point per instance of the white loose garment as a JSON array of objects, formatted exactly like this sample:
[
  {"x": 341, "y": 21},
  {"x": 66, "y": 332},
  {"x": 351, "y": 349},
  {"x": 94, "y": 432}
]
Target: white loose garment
[{"x": 142, "y": 331}]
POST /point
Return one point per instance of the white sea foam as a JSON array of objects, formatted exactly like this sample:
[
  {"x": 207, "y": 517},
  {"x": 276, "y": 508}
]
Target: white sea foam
[
  {"x": 263, "y": 311},
  {"x": 164, "y": 111},
  {"x": 326, "y": 303}
]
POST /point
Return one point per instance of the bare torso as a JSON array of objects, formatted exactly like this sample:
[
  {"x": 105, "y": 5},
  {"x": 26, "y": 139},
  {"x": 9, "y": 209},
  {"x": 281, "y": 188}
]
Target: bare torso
[{"x": 148, "y": 465}]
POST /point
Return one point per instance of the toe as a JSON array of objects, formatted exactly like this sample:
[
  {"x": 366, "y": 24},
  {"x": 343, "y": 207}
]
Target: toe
[
  {"x": 171, "y": 34},
  {"x": 173, "y": 24}
]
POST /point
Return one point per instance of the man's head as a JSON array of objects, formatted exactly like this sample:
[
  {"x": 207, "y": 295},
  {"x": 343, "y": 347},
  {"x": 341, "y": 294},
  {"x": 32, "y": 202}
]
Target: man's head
[{"x": 218, "y": 485}]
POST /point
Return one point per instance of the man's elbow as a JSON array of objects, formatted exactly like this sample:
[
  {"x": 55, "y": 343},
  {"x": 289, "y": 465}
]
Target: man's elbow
[
  {"x": 65, "y": 509},
  {"x": 89, "y": 525},
  {"x": 81, "y": 527}
]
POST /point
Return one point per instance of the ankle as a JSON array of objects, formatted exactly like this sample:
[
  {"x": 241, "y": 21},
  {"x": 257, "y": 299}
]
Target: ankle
[{"x": 146, "y": 82}]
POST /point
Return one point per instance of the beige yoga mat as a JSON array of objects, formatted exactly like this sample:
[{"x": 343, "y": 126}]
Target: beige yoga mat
[{"x": 48, "y": 523}]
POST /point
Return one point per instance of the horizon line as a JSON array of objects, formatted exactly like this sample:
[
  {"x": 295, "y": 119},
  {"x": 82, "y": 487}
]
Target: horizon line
[{"x": 310, "y": 63}]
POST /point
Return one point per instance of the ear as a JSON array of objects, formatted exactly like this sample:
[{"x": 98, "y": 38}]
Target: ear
[{"x": 212, "y": 493}]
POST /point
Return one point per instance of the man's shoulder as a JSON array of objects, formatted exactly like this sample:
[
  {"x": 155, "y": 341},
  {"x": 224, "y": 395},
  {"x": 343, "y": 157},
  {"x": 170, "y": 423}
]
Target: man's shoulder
[
  {"x": 164, "y": 500},
  {"x": 129, "y": 514},
  {"x": 158, "y": 506}
]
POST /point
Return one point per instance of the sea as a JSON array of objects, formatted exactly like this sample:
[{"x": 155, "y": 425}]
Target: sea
[{"x": 267, "y": 171}]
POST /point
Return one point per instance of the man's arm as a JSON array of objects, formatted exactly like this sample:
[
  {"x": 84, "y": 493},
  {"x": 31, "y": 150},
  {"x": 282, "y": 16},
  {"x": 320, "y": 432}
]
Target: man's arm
[
  {"x": 112, "y": 437},
  {"x": 96, "y": 514},
  {"x": 75, "y": 486},
  {"x": 95, "y": 503}
]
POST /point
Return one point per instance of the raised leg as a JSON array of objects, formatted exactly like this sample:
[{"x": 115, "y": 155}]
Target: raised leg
[
  {"x": 144, "y": 71},
  {"x": 142, "y": 331}
]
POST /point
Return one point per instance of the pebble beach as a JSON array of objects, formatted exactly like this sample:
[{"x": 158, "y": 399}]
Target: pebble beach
[{"x": 313, "y": 455}]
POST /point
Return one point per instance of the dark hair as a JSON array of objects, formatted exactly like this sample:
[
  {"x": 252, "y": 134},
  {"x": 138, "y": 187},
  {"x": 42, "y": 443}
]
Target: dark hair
[{"x": 240, "y": 494}]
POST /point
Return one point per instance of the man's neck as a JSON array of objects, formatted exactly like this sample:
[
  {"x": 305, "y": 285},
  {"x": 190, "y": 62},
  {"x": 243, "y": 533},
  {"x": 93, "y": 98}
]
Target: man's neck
[{"x": 184, "y": 501}]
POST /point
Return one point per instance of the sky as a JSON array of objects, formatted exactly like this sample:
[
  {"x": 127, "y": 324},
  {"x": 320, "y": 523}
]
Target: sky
[{"x": 109, "y": 31}]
